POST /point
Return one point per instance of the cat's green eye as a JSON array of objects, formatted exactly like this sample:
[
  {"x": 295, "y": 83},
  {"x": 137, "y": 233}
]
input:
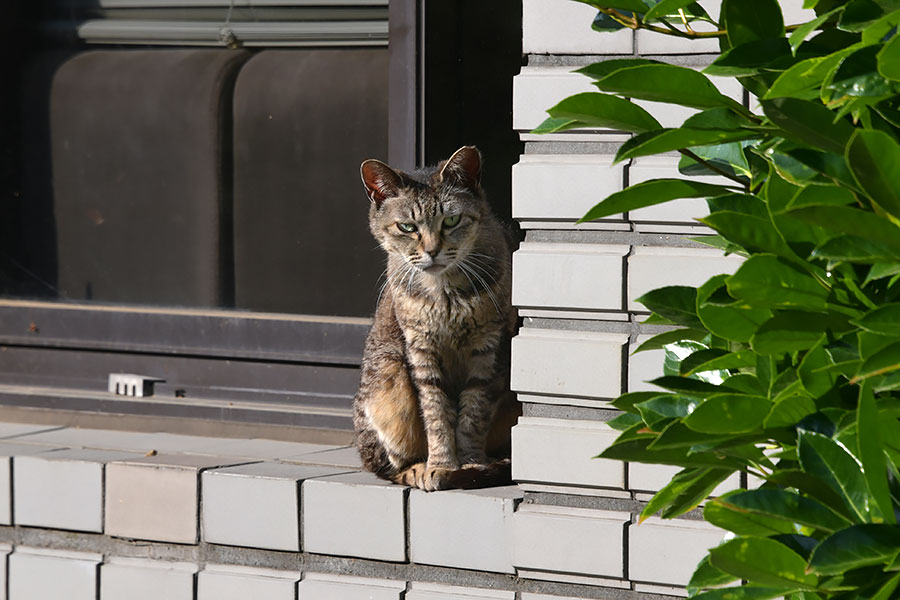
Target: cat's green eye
[
  {"x": 406, "y": 227},
  {"x": 451, "y": 221}
]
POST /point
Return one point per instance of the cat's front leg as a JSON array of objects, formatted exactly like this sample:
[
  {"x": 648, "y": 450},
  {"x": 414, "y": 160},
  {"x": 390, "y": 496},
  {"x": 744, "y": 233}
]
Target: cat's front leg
[
  {"x": 438, "y": 415},
  {"x": 477, "y": 405}
]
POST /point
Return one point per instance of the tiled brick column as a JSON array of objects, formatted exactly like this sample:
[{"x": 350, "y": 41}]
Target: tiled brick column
[{"x": 577, "y": 287}]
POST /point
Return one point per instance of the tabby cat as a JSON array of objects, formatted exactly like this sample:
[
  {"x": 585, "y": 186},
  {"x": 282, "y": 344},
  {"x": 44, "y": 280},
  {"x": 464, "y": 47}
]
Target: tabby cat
[{"x": 434, "y": 408}]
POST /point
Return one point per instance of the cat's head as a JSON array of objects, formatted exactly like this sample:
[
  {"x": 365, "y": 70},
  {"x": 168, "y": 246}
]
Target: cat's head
[{"x": 429, "y": 219}]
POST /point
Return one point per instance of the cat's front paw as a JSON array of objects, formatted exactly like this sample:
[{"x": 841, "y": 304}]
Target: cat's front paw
[{"x": 436, "y": 478}]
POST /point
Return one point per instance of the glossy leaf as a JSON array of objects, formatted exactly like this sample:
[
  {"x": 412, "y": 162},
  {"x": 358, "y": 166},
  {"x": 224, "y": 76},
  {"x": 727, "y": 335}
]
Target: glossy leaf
[
  {"x": 889, "y": 59},
  {"x": 749, "y": 58},
  {"x": 660, "y": 340},
  {"x": 779, "y": 510},
  {"x": 729, "y": 413},
  {"x": 767, "y": 281},
  {"x": 666, "y": 7},
  {"x": 800, "y": 34},
  {"x": 749, "y": 21},
  {"x": 732, "y": 321},
  {"x": 629, "y": 5},
  {"x": 815, "y": 487},
  {"x": 874, "y": 159},
  {"x": 665, "y": 83},
  {"x": 844, "y": 219},
  {"x": 870, "y": 450},
  {"x": 882, "y": 362},
  {"x": 810, "y": 122},
  {"x": 802, "y": 80},
  {"x": 789, "y": 411},
  {"x": 849, "y": 248},
  {"x": 752, "y": 233},
  {"x": 855, "y": 547},
  {"x": 676, "y": 303},
  {"x": 684, "y": 492},
  {"x": 650, "y": 193},
  {"x": 731, "y": 360},
  {"x": 706, "y": 575},
  {"x": 790, "y": 331},
  {"x": 667, "y": 140},
  {"x": 593, "y": 109},
  {"x": 745, "y": 592},
  {"x": 602, "y": 69},
  {"x": 828, "y": 460},
  {"x": 884, "y": 320},
  {"x": 763, "y": 561}
]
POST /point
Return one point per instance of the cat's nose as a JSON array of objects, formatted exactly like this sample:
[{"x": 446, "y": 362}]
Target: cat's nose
[{"x": 433, "y": 253}]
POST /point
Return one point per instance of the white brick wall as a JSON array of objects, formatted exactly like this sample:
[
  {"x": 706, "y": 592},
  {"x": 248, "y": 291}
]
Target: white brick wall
[
  {"x": 38, "y": 573},
  {"x": 564, "y": 27},
  {"x": 668, "y": 551}
]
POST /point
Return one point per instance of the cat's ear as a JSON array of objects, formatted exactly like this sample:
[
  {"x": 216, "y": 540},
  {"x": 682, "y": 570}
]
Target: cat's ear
[
  {"x": 464, "y": 167},
  {"x": 381, "y": 181}
]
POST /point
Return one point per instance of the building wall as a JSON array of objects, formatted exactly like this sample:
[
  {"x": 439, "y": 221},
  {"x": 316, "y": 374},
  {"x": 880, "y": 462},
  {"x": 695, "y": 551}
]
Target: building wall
[{"x": 104, "y": 514}]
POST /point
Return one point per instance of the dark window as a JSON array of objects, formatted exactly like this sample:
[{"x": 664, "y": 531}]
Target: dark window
[{"x": 179, "y": 190}]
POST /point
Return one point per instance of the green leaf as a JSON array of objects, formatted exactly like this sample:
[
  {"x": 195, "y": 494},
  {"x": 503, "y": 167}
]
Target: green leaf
[
  {"x": 551, "y": 125},
  {"x": 886, "y": 360},
  {"x": 749, "y": 21},
  {"x": 604, "y": 23},
  {"x": 684, "y": 492},
  {"x": 819, "y": 195},
  {"x": 686, "y": 385},
  {"x": 601, "y": 69},
  {"x": 746, "y": 592},
  {"x": 604, "y": 111},
  {"x": 884, "y": 320},
  {"x": 630, "y": 5},
  {"x": 624, "y": 421},
  {"x": 650, "y": 193},
  {"x": 849, "y": 248},
  {"x": 814, "y": 371},
  {"x": 789, "y": 410},
  {"x": 665, "y": 83},
  {"x": 828, "y": 460},
  {"x": 729, "y": 413},
  {"x": 889, "y": 60},
  {"x": 809, "y": 122},
  {"x": 732, "y": 360},
  {"x": 791, "y": 330},
  {"x": 627, "y": 401},
  {"x": 662, "y": 409},
  {"x": 752, "y": 233},
  {"x": 660, "y": 340},
  {"x": 874, "y": 159},
  {"x": 857, "y": 77},
  {"x": 635, "y": 450},
  {"x": 881, "y": 29},
  {"x": 706, "y": 575},
  {"x": 750, "y": 58},
  {"x": 733, "y": 321},
  {"x": 676, "y": 303},
  {"x": 814, "y": 487},
  {"x": 801, "y": 33},
  {"x": 855, "y": 547},
  {"x": 764, "y": 280},
  {"x": 763, "y": 561},
  {"x": 852, "y": 221},
  {"x": 803, "y": 79},
  {"x": 886, "y": 590},
  {"x": 743, "y": 522},
  {"x": 779, "y": 510},
  {"x": 859, "y": 14},
  {"x": 667, "y": 140},
  {"x": 666, "y": 8},
  {"x": 870, "y": 450}
]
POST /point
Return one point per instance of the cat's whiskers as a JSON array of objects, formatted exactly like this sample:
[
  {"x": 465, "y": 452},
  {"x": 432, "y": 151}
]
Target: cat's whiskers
[
  {"x": 462, "y": 269},
  {"x": 471, "y": 269}
]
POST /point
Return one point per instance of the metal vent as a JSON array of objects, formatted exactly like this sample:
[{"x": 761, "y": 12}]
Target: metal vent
[{"x": 126, "y": 384}]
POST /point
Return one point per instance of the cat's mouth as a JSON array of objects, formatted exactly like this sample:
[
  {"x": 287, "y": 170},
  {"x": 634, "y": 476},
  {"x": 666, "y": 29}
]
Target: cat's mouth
[{"x": 434, "y": 269}]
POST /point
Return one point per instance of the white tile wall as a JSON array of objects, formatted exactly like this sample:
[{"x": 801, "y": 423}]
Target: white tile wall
[
  {"x": 142, "y": 579},
  {"x": 535, "y": 89},
  {"x": 229, "y": 582},
  {"x": 36, "y": 573},
  {"x": 651, "y": 267},
  {"x": 668, "y": 551},
  {"x": 564, "y": 27},
  {"x": 355, "y": 514},
  {"x": 320, "y": 586},
  {"x": 562, "y": 186},
  {"x": 583, "y": 276},
  {"x": 467, "y": 529},
  {"x": 562, "y": 452},
  {"x": 570, "y": 540},
  {"x": 573, "y": 363}
]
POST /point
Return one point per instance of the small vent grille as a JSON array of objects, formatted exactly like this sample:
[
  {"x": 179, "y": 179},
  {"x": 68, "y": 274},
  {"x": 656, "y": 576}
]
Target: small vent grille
[{"x": 127, "y": 384}]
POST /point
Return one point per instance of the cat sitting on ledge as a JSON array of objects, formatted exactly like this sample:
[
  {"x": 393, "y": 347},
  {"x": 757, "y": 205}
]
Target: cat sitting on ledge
[{"x": 434, "y": 410}]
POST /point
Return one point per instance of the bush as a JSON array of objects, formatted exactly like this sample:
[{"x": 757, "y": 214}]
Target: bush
[{"x": 791, "y": 366}]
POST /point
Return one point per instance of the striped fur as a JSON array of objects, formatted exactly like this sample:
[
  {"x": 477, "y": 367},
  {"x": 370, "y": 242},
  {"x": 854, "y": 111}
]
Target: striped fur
[{"x": 434, "y": 410}]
